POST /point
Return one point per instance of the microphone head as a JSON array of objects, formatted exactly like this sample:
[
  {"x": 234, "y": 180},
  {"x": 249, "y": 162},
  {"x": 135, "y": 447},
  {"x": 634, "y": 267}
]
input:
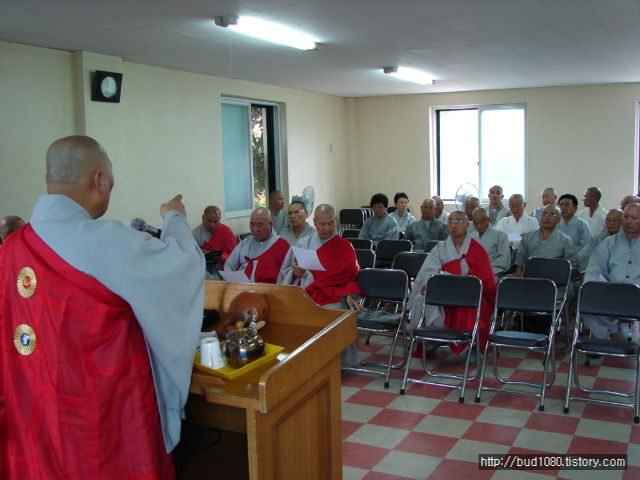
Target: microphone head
[{"x": 138, "y": 224}]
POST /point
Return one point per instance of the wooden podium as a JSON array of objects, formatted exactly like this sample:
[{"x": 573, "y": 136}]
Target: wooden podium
[{"x": 288, "y": 409}]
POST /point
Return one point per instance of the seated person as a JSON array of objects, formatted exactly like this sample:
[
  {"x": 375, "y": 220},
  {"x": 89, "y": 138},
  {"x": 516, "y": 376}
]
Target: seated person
[
  {"x": 381, "y": 226},
  {"x": 612, "y": 224},
  {"x": 213, "y": 236},
  {"x": 593, "y": 213},
  {"x": 518, "y": 222},
  {"x": 494, "y": 241},
  {"x": 278, "y": 213},
  {"x": 337, "y": 286},
  {"x": 259, "y": 256},
  {"x": 298, "y": 228},
  {"x": 401, "y": 214},
  {"x": 8, "y": 225},
  {"x": 628, "y": 200},
  {"x": 440, "y": 213},
  {"x": 427, "y": 228},
  {"x": 575, "y": 228},
  {"x": 547, "y": 242},
  {"x": 616, "y": 260},
  {"x": 470, "y": 205},
  {"x": 549, "y": 197},
  {"x": 496, "y": 210},
  {"x": 459, "y": 255}
]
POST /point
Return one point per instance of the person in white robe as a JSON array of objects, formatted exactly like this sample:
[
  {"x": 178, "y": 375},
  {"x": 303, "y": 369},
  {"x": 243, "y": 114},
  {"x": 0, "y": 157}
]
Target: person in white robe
[
  {"x": 593, "y": 213},
  {"x": 519, "y": 223}
]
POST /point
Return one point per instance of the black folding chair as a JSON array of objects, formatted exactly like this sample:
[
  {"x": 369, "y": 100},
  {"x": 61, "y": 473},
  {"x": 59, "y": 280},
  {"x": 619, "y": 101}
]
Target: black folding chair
[
  {"x": 351, "y": 218},
  {"x": 463, "y": 291},
  {"x": 619, "y": 300},
  {"x": 384, "y": 285},
  {"x": 523, "y": 295},
  {"x": 410, "y": 263},
  {"x": 242, "y": 236},
  {"x": 558, "y": 270},
  {"x": 361, "y": 243},
  {"x": 387, "y": 250},
  {"x": 366, "y": 258},
  {"x": 431, "y": 245},
  {"x": 350, "y": 233}
]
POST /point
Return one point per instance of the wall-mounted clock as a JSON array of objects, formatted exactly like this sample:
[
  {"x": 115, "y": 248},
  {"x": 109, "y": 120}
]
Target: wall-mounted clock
[{"x": 106, "y": 87}]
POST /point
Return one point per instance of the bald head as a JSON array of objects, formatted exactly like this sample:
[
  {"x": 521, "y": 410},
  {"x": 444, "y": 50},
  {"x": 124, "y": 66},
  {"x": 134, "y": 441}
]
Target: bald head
[
  {"x": 549, "y": 196},
  {"x": 10, "y": 224},
  {"x": 325, "y": 208},
  {"x": 470, "y": 204},
  {"x": 480, "y": 219},
  {"x": 627, "y": 200},
  {"x": 260, "y": 224},
  {"x": 79, "y": 168},
  {"x": 613, "y": 221}
]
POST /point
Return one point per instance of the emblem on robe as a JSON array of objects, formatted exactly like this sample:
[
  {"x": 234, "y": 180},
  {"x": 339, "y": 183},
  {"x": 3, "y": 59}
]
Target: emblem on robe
[
  {"x": 24, "y": 338},
  {"x": 26, "y": 282}
]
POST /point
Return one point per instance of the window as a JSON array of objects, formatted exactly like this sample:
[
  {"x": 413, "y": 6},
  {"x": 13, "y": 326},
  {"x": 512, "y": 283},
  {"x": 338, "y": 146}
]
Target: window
[
  {"x": 484, "y": 146},
  {"x": 251, "y": 156}
]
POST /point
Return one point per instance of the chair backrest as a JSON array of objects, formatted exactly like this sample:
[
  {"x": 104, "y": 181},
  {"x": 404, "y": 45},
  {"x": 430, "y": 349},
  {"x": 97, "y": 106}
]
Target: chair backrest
[
  {"x": 609, "y": 299},
  {"x": 384, "y": 284},
  {"x": 409, "y": 262},
  {"x": 431, "y": 245},
  {"x": 366, "y": 258},
  {"x": 388, "y": 249},
  {"x": 454, "y": 291},
  {"x": 352, "y": 216},
  {"x": 361, "y": 243},
  {"x": 558, "y": 270},
  {"x": 350, "y": 233},
  {"x": 242, "y": 236},
  {"x": 527, "y": 295},
  {"x": 391, "y": 209}
]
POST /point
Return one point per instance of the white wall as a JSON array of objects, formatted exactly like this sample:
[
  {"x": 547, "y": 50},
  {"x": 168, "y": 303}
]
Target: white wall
[
  {"x": 577, "y": 137},
  {"x": 163, "y": 138}
]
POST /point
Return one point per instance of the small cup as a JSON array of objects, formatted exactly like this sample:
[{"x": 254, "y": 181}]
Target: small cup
[{"x": 210, "y": 353}]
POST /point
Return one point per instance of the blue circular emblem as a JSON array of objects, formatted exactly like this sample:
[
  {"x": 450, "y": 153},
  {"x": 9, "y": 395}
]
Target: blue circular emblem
[{"x": 25, "y": 339}]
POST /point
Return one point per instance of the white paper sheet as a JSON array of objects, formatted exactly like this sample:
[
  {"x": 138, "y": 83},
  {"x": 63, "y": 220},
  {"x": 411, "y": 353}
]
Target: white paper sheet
[
  {"x": 307, "y": 259},
  {"x": 515, "y": 236},
  {"x": 240, "y": 277}
]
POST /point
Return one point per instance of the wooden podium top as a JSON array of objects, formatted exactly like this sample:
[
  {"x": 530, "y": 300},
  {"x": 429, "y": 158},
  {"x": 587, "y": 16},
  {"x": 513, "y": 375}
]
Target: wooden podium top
[{"x": 311, "y": 336}]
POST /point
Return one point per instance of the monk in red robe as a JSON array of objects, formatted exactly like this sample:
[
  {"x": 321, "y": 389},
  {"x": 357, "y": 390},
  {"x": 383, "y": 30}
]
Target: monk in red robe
[{"x": 213, "y": 236}]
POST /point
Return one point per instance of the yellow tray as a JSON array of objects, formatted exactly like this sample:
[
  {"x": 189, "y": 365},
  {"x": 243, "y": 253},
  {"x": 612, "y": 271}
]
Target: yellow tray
[{"x": 228, "y": 372}]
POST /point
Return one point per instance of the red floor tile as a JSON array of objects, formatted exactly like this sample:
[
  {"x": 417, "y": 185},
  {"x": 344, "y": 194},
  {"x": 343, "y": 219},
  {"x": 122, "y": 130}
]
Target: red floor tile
[
  {"x": 490, "y": 433},
  {"x": 455, "y": 469},
  {"x": 585, "y": 445},
  {"x": 362, "y": 456},
  {"x": 355, "y": 380},
  {"x": 397, "y": 419},
  {"x": 427, "y": 444},
  {"x": 463, "y": 411},
  {"x": 552, "y": 423},
  {"x": 427, "y": 391},
  {"x": 635, "y": 435},
  {"x": 608, "y": 413},
  {"x": 383, "y": 476},
  {"x": 349, "y": 427},
  {"x": 631, "y": 473}
]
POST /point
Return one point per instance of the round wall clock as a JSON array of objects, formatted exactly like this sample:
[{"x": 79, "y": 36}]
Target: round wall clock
[{"x": 106, "y": 87}]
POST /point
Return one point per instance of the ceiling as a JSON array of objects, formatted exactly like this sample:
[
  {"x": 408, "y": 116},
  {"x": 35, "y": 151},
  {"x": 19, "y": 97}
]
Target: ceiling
[{"x": 464, "y": 44}]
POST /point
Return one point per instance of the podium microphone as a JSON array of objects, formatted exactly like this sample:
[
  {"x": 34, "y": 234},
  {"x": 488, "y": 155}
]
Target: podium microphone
[{"x": 142, "y": 226}]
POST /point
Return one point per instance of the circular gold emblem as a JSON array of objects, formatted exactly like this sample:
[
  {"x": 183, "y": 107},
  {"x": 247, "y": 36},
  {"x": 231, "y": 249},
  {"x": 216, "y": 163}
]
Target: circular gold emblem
[
  {"x": 24, "y": 338},
  {"x": 26, "y": 282}
]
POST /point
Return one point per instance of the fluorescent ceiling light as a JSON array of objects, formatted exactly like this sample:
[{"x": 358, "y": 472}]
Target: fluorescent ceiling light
[
  {"x": 409, "y": 75},
  {"x": 269, "y": 32}
]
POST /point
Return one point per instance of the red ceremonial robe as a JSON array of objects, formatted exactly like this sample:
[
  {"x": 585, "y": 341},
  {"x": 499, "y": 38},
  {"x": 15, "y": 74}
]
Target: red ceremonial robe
[
  {"x": 464, "y": 318},
  {"x": 341, "y": 275},
  {"x": 222, "y": 239},
  {"x": 82, "y": 404},
  {"x": 269, "y": 262}
]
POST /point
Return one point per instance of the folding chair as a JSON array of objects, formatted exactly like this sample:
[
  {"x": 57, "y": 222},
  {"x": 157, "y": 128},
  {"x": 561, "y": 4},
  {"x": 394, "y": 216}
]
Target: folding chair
[
  {"x": 242, "y": 236},
  {"x": 463, "y": 291},
  {"x": 366, "y": 258},
  {"x": 558, "y": 270},
  {"x": 387, "y": 250},
  {"x": 620, "y": 300},
  {"x": 410, "y": 263},
  {"x": 351, "y": 218},
  {"x": 385, "y": 286},
  {"x": 361, "y": 243},
  {"x": 350, "y": 233},
  {"x": 537, "y": 295},
  {"x": 431, "y": 245}
]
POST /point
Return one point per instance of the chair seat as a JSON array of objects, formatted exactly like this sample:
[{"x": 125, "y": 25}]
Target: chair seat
[
  {"x": 378, "y": 320},
  {"x": 444, "y": 333},
  {"x": 520, "y": 339},
  {"x": 598, "y": 345}
]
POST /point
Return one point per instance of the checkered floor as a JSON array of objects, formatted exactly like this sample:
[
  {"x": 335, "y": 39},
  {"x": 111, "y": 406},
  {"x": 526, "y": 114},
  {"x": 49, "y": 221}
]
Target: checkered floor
[{"x": 427, "y": 433}]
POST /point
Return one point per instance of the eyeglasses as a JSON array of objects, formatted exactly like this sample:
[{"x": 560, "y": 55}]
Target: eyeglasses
[
  {"x": 456, "y": 222},
  {"x": 291, "y": 213},
  {"x": 549, "y": 214},
  {"x": 565, "y": 204}
]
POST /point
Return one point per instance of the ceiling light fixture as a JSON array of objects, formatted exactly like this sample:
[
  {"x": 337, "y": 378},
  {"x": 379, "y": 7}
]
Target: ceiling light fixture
[
  {"x": 409, "y": 75},
  {"x": 266, "y": 31}
]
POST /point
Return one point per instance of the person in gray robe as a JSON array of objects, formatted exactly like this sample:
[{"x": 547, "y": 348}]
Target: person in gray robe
[
  {"x": 612, "y": 223},
  {"x": 549, "y": 197},
  {"x": 616, "y": 259},
  {"x": 496, "y": 210},
  {"x": 381, "y": 226},
  {"x": 427, "y": 228},
  {"x": 298, "y": 228},
  {"x": 575, "y": 228},
  {"x": 494, "y": 241},
  {"x": 278, "y": 213}
]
